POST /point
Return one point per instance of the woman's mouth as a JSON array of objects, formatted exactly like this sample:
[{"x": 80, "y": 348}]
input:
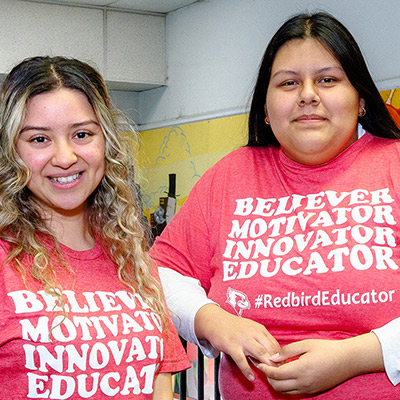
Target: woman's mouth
[
  {"x": 310, "y": 117},
  {"x": 66, "y": 179}
]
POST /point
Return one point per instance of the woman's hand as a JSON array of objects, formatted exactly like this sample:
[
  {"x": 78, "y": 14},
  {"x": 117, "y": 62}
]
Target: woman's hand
[
  {"x": 314, "y": 365},
  {"x": 239, "y": 337}
]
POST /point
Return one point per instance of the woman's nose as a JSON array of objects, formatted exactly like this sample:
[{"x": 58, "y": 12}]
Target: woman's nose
[
  {"x": 309, "y": 94},
  {"x": 64, "y": 155}
]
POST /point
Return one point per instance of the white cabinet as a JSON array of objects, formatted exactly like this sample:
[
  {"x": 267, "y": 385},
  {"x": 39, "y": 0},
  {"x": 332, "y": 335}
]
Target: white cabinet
[
  {"x": 127, "y": 48},
  {"x": 135, "y": 50},
  {"x": 29, "y": 29}
]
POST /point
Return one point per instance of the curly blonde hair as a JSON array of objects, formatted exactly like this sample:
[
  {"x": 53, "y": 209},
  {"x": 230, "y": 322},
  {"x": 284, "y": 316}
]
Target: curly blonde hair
[{"x": 114, "y": 214}]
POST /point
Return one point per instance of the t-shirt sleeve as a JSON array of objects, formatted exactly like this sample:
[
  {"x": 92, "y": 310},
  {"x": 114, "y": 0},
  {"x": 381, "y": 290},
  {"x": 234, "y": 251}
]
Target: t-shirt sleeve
[
  {"x": 389, "y": 337},
  {"x": 174, "y": 356},
  {"x": 184, "y": 245}
]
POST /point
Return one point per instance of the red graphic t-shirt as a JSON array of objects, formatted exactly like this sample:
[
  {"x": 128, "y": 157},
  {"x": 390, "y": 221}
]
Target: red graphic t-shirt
[
  {"x": 109, "y": 343},
  {"x": 307, "y": 251}
]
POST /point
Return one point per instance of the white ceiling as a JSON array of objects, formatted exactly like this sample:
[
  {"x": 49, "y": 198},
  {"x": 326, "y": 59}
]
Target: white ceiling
[{"x": 157, "y": 6}]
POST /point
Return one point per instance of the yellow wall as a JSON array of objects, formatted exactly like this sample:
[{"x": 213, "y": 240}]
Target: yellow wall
[
  {"x": 392, "y": 100},
  {"x": 187, "y": 150}
]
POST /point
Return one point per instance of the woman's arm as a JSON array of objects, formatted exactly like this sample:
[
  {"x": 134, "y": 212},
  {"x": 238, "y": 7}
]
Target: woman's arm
[
  {"x": 373, "y": 352},
  {"x": 319, "y": 365},
  {"x": 162, "y": 389},
  {"x": 185, "y": 297},
  {"x": 202, "y": 322}
]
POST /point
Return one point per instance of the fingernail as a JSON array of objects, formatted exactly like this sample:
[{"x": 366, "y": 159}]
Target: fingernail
[
  {"x": 250, "y": 377},
  {"x": 275, "y": 357}
]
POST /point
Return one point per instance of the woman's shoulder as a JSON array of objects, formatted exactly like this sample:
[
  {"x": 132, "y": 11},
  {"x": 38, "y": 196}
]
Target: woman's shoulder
[
  {"x": 241, "y": 158},
  {"x": 384, "y": 145},
  {"x": 236, "y": 168},
  {"x": 234, "y": 162},
  {"x": 383, "y": 141},
  {"x": 246, "y": 153}
]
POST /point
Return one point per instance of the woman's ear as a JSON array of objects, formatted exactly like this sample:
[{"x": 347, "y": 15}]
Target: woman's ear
[
  {"x": 266, "y": 119},
  {"x": 361, "y": 106}
]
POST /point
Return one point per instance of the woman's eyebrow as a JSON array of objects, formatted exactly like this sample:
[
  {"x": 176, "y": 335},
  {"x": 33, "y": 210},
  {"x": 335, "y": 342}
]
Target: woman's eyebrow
[
  {"x": 34, "y": 128},
  {"x": 45, "y": 128},
  {"x": 296, "y": 73},
  {"x": 83, "y": 123}
]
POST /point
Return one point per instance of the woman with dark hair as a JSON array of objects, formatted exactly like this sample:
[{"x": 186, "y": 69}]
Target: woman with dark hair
[
  {"x": 340, "y": 43},
  {"x": 294, "y": 236},
  {"x": 82, "y": 313}
]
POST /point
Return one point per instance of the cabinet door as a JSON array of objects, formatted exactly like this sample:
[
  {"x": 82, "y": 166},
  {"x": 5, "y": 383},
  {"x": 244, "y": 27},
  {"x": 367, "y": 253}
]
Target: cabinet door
[
  {"x": 30, "y": 29},
  {"x": 135, "y": 50}
]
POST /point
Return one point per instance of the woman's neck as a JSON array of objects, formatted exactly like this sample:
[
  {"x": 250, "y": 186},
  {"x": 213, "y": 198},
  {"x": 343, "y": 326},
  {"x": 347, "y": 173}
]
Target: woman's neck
[{"x": 71, "y": 230}]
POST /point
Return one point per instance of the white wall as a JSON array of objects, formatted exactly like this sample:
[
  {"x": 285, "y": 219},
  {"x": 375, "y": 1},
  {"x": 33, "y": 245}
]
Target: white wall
[
  {"x": 127, "y": 102},
  {"x": 214, "y": 48}
]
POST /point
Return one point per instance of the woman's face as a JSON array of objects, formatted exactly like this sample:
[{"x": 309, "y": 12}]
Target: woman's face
[
  {"x": 63, "y": 146},
  {"x": 311, "y": 104}
]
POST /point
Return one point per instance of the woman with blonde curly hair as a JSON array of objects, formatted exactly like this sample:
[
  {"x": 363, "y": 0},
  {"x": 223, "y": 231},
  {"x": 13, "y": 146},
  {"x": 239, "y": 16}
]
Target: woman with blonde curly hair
[{"x": 82, "y": 313}]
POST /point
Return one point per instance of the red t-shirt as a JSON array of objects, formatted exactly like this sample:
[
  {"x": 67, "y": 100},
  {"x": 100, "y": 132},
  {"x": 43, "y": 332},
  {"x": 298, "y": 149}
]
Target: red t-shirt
[
  {"x": 307, "y": 251},
  {"x": 110, "y": 344}
]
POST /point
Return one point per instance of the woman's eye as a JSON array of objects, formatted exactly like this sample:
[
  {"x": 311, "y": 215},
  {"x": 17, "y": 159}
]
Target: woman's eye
[
  {"x": 328, "y": 80},
  {"x": 82, "y": 135},
  {"x": 288, "y": 83},
  {"x": 39, "y": 139}
]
